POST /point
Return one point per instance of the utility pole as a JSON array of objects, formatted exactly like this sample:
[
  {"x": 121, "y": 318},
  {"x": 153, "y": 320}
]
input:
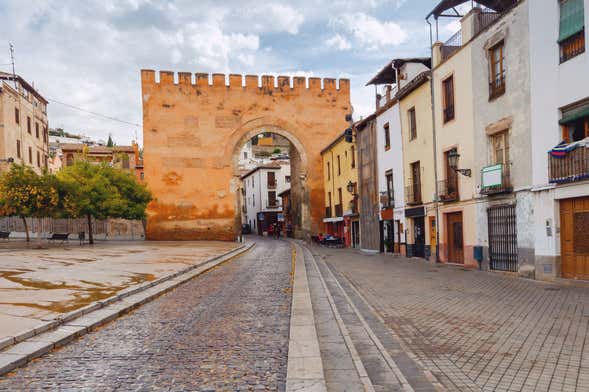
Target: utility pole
[{"x": 12, "y": 61}]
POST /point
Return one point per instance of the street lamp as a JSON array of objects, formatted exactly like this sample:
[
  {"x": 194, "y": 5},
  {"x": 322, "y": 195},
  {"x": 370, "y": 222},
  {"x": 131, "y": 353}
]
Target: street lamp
[
  {"x": 453, "y": 163},
  {"x": 351, "y": 187}
]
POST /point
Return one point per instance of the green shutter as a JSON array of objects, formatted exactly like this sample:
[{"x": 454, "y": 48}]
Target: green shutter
[
  {"x": 574, "y": 115},
  {"x": 572, "y": 18}
]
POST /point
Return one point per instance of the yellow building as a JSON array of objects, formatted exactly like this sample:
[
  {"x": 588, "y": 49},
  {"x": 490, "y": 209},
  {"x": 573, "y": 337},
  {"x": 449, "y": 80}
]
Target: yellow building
[
  {"x": 454, "y": 124},
  {"x": 340, "y": 176},
  {"x": 23, "y": 124},
  {"x": 418, "y": 162}
]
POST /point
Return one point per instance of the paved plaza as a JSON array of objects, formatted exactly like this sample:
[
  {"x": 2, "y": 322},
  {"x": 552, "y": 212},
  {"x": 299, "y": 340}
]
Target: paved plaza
[
  {"x": 475, "y": 331},
  {"x": 40, "y": 284}
]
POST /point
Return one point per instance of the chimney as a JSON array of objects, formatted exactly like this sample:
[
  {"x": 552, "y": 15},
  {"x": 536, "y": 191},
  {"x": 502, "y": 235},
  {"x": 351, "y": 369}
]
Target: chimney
[
  {"x": 436, "y": 53},
  {"x": 468, "y": 24}
]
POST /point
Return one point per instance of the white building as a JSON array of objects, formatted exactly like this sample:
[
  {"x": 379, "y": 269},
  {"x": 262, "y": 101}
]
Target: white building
[
  {"x": 389, "y": 141},
  {"x": 260, "y": 189},
  {"x": 559, "y": 82}
]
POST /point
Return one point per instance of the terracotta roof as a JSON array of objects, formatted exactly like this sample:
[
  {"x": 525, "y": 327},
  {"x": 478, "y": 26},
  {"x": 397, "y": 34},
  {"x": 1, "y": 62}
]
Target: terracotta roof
[
  {"x": 78, "y": 147},
  {"x": 387, "y": 74},
  {"x": 413, "y": 84},
  {"x": 269, "y": 166},
  {"x": 25, "y": 84}
]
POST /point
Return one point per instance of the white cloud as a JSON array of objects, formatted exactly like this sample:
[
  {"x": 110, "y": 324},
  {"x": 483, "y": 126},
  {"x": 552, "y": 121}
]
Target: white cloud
[
  {"x": 338, "y": 42},
  {"x": 274, "y": 17},
  {"x": 368, "y": 32}
]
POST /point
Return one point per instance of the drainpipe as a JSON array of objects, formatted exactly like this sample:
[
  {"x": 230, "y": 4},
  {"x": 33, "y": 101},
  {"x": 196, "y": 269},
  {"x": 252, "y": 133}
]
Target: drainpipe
[{"x": 436, "y": 196}]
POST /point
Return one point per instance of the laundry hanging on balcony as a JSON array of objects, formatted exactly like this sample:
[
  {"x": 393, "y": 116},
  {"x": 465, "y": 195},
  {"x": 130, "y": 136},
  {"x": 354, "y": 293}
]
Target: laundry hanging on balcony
[{"x": 562, "y": 149}]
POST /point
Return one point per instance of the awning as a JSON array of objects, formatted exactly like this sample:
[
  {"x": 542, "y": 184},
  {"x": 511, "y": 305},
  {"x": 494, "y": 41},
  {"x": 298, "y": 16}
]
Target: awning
[
  {"x": 573, "y": 116},
  {"x": 572, "y": 18},
  {"x": 495, "y": 5},
  {"x": 335, "y": 219}
]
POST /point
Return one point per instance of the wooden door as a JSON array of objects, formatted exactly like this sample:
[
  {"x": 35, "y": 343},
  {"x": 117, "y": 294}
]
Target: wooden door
[
  {"x": 432, "y": 232},
  {"x": 455, "y": 238},
  {"x": 574, "y": 238}
]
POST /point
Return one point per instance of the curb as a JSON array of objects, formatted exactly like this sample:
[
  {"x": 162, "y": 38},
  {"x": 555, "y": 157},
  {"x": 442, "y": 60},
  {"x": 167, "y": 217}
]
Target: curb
[
  {"x": 304, "y": 366},
  {"x": 16, "y": 351}
]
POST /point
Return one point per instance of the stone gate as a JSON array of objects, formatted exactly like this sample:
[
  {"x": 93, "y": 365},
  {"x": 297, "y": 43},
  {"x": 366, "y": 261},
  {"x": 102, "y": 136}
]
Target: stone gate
[{"x": 194, "y": 127}]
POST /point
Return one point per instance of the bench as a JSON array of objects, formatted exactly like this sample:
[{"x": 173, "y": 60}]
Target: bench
[
  {"x": 59, "y": 237},
  {"x": 4, "y": 235}
]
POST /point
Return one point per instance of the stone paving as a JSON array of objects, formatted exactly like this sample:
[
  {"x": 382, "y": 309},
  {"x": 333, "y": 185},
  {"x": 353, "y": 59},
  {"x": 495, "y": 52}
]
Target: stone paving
[
  {"x": 41, "y": 284},
  {"x": 226, "y": 330},
  {"x": 476, "y": 331}
]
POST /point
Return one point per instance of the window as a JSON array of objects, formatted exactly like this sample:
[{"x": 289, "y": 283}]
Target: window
[
  {"x": 272, "y": 199},
  {"x": 387, "y": 137},
  {"x": 126, "y": 163},
  {"x": 329, "y": 203},
  {"x": 448, "y": 98},
  {"x": 28, "y": 124},
  {"x": 328, "y": 171},
  {"x": 45, "y": 162},
  {"x": 38, "y": 159},
  {"x": 390, "y": 189},
  {"x": 16, "y": 116},
  {"x": 37, "y": 130},
  {"x": 18, "y": 154},
  {"x": 415, "y": 187},
  {"x": 45, "y": 135},
  {"x": 287, "y": 179},
  {"x": 245, "y": 155},
  {"x": 69, "y": 160},
  {"x": 271, "y": 180},
  {"x": 412, "y": 123},
  {"x": 31, "y": 155},
  {"x": 339, "y": 166},
  {"x": 497, "y": 63},
  {"x": 499, "y": 148},
  {"x": 571, "y": 37},
  {"x": 353, "y": 153},
  {"x": 575, "y": 123}
]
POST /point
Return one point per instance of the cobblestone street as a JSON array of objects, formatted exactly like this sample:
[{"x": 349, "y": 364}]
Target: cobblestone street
[
  {"x": 476, "y": 331},
  {"x": 225, "y": 330}
]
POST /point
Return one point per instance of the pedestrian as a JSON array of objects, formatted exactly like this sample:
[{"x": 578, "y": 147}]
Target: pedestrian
[
  {"x": 278, "y": 229},
  {"x": 271, "y": 230}
]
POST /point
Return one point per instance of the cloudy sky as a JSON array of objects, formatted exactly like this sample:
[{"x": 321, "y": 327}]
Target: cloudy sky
[{"x": 89, "y": 53}]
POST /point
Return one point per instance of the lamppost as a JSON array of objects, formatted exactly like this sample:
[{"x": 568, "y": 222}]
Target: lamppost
[{"x": 453, "y": 163}]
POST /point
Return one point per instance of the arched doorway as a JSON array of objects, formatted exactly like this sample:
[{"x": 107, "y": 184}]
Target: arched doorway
[{"x": 192, "y": 128}]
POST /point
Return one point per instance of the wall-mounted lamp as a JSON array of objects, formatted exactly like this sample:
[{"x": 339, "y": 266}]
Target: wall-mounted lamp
[
  {"x": 453, "y": 163},
  {"x": 351, "y": 187}
]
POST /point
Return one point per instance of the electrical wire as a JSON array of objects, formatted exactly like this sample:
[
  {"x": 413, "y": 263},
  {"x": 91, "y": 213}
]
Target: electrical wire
[{"x": 92, "y": 113}]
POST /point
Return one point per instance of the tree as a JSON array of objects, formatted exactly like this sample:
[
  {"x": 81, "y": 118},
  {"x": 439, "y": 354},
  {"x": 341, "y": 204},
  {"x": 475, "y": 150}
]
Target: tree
[
  {"x": 276, "y": 151},
  {"x": 101, "y": 191},
  {"x": 110, "y": 143},
  {"x": 26, "y": 194}
]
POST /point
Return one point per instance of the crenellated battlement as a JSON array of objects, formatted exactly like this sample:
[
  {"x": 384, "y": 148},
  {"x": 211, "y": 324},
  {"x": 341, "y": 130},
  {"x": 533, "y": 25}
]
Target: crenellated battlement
[{"x": 267, "y": 82}]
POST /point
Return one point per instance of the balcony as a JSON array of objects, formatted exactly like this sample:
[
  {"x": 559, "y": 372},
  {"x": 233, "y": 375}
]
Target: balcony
[
  {"x": 413, "y": 194},
  {"x": 448, "y": 189},
  {"x": 273, "y": 204},
  {"x": 497, "y": 86},
  {"x": 496, "y": 179},
  {"x": 448, "y": 113},
  {"x": 328, "y": 212},
  {"x": 574, "y": 166},
  {"x": 451, "y": 45},
  {"x": 339, "y": 211},
  {"x": 271, "y": 184}
]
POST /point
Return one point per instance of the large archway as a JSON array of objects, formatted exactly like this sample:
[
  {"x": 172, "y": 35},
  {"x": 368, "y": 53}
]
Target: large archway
[{"x": 193, "y": 126}]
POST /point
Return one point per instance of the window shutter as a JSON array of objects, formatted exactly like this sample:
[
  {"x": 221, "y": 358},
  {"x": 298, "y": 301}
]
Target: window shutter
[{"x": 572, "y": 18}]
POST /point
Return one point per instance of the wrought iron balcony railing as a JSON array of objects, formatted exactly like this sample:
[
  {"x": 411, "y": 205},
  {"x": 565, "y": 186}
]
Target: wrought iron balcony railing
[
  {"x": 448, "y": 189},
  {"x": 413, "y": 193},
  {"x": 574, "y": 166}
]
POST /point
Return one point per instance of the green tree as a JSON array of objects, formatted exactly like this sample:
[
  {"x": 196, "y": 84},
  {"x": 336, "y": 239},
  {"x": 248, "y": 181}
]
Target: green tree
[
  {"x": 110, "y": 143},
  {"x": 100, "y": 191},
  {"x": 26, "y": 194},
  {"x": 276, "y": 151}
]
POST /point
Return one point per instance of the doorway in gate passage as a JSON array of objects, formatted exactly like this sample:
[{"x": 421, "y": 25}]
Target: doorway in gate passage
[
  {"x": 419, "y": 236},
  {"x": 455, "y": 238},
  {"x": 355, "y": 233},
  {"x": 574, "y": 237}
]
